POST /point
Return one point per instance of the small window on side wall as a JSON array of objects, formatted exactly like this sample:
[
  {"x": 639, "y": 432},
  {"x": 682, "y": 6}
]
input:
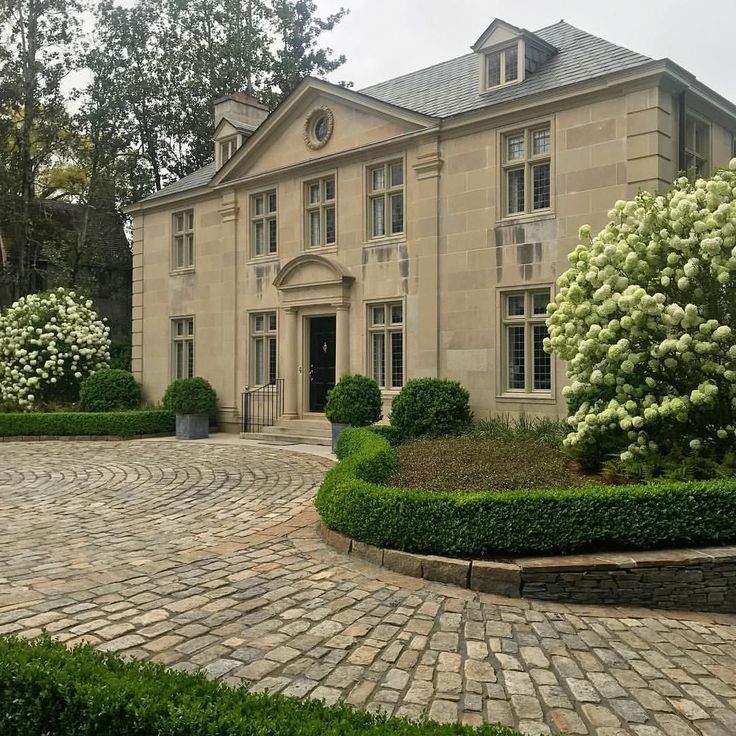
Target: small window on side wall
[
  {"x": 386, "y": 200},
  {"x": 183, "y": 240},
  {"x": 182, "y": 348},
  {"x": 527, "y": 171},
  {"x": 264, "y": 356},
  {"x": 697, "y": 146},
  {"x": 264, "y": 224}
]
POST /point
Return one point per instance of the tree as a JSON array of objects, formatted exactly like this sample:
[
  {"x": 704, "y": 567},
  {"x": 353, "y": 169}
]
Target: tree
[{"x": 645, "y": 320}]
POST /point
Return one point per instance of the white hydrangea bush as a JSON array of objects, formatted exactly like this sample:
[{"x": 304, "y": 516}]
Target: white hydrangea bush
[
  {"x": 49, "y": 343},
  {"x": 644, "y": 319}
]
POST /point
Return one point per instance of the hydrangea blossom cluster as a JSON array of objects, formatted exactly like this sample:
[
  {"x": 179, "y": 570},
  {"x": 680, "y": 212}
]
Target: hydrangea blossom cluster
[
  {"x": 645, "y": 318},
  {"x": 49, "y": 343}
]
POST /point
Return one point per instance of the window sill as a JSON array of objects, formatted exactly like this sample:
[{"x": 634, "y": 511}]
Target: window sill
[
  {"x": 541, "y": 397},
  {"x": 377, "y": 242},
  {"x": 527, "y": 217},
  {"x": 264, "y": 259},
  {"x": 321, "y": 249},
  {"x": 181, "y": 271}
]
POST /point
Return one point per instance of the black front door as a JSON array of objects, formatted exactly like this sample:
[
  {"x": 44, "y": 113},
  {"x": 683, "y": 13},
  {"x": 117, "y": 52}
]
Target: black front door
[{"x": 321, "y": 361}]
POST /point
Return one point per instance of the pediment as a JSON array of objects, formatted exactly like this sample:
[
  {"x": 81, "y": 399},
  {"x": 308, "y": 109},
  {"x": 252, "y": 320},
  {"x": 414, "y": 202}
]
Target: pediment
[
  {"x": 499, "y": 32},
  {"x": 282, "y": 140},
  {"x": 311, "y": 269}
]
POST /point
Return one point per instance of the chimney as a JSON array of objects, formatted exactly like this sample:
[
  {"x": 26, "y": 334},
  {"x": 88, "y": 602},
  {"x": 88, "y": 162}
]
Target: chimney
[{"x": 239, "y": 107}]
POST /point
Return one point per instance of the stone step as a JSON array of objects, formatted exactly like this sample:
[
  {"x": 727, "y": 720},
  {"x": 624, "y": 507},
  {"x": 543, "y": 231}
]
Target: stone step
[
  {"x": 289, "y": 429},
  {"x": 270, "y": 438}
]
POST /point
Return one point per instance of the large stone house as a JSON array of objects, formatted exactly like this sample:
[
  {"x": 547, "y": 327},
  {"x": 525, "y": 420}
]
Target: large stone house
[{"x": 413, "y": 228}]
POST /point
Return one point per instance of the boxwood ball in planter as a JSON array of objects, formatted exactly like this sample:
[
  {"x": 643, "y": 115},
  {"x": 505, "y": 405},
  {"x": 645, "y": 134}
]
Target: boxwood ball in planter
[
  {"x": 193, "y": 401},
  {"x": 355, "y": 401}
]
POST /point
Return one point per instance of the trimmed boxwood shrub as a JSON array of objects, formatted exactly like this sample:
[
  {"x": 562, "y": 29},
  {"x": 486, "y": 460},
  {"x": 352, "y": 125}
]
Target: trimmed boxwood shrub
[
  {"x": 110, "y": 389},
  {"x": 479, "y": 524},
  {"x": 47, "y": 689},
  {"x": 190, "y": 396},
  {"x": 431, "y": 407},
  {"x": 355, "y": 400},
  {"x": 73, "y": 423}
]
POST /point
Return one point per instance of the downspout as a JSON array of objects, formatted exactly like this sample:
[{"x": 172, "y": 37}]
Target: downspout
[{"x": 681, "y": 106}]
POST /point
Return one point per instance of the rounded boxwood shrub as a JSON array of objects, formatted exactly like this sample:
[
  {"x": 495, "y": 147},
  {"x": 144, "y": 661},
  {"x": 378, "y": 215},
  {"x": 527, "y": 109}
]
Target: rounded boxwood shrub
[
  {"x": 431, "y": 407},
  {"x": 355, "y": 400},
  {"x": 109, "y": 389},
  {"x": 190, "y": 396}
]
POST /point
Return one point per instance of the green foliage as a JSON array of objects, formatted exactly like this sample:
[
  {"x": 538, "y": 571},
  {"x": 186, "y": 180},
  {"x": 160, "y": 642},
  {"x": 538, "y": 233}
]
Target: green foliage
[
  {"x": 70, "y": 424},
  {"x": 666, "y": 513},
  {"x": 355, "y": 400},
  {"x": 190, "y": 396},
  {"x": 120, "y": 355},
  {"x": 545, "y": 431},
  {"x": 109, "y": 389},
  {"x": 389, "y": 433},
  {"x": 431, "y": 407},
  {"x": 47, "y": 689}
]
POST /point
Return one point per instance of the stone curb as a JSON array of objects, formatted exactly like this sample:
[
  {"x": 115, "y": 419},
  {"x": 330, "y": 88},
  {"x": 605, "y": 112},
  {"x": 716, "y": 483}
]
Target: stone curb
[
  {"x": 81, "y": 437},
  {"x": 680, "y": 579}
]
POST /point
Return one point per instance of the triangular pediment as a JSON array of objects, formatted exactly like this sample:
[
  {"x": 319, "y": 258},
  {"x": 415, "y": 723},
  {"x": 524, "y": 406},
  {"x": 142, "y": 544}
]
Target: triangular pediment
[
  {"x": 500, "y": 32},
  {"x": 356, "y": 120}
]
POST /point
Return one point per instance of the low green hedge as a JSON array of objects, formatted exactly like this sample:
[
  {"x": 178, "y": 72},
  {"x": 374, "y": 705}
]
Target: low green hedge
[
  {"x": 73, "y": 423},
  {"x": 479, "y": 524},
  {"x": 47, "y": 689}
]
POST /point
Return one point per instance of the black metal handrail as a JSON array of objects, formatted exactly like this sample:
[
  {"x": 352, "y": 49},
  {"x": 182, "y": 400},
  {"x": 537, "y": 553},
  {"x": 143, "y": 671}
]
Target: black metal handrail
[{"x": 262, "y": 406}]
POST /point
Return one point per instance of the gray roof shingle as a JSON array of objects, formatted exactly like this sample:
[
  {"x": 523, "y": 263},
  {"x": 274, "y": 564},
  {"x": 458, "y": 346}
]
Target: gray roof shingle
[{"x": 451, "y": 88}]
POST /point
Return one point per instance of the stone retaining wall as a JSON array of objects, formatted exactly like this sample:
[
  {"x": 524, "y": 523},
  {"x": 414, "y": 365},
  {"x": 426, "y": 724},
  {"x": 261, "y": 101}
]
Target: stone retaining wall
[{"x": 688, "y": 580}]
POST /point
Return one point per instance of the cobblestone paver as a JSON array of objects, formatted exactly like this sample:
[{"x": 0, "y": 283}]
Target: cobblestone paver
[{"x": 206, "y": 556}]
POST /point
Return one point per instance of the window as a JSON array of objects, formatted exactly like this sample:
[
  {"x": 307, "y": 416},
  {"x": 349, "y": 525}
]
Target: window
[
  {"x": 183, "y": 255},
  {"x": 502, "y": 67},
  {"x": 386, "y": 200},
  {"x": 386, "y": 344},
  {"x": 263, "y": 224},
  {"x": 527, "y": 177},
  {"x": 264, "y": 362},
  {"x": 227, "y": 149},
  {"x": 527, "y": 367},
  {"x": 697, "y": 146},
  {"x": 320, "y": 210},
  {"x": 182, "y": 361}
]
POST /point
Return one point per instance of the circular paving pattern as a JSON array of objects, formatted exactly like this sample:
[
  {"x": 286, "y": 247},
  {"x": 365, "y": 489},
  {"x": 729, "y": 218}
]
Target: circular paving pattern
[{"x": 205, "y": 555}]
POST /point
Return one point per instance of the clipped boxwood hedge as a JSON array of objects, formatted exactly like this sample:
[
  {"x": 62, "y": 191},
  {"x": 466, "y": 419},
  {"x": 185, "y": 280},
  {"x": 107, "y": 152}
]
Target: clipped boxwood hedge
[
  {"x": 47, "y": 689},
  {"x": 479, "y": 524},
  {"x": 73, "y": 423}
]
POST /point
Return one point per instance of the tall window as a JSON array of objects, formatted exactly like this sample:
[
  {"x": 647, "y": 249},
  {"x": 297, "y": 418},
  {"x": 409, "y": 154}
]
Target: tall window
[
  {"x": 182, "y": 362},
  {"x": 320, "y": 199},
  {"x": 386, "y": 344},
  {"x": 264, "y": 362},
  {"x": 527, "y": 180},
  {"x": 183, "y": 245},
  {"x": 697, "y": 146},
  {"x": 227, "y": 149},
  {"x": 502, "y": 67},
  {"x": 263, "y": 224},
  {"x": 527, "y": 366},
  {"x": 386, "y": 200}
]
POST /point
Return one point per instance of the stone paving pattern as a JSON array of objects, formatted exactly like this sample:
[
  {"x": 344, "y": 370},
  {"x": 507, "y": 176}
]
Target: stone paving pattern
[{"x": 207, "y": 556}]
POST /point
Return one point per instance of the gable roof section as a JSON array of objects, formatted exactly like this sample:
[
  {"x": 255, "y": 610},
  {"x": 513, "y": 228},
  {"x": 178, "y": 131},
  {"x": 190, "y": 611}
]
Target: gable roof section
[
  {"x": 196, "y": 179},
  {"x": 501, "y": 28},
  {"x": 451, "y": 88}
]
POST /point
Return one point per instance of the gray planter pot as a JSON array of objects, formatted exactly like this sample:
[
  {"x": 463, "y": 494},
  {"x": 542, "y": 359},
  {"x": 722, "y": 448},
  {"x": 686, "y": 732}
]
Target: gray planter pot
[
  {"x": 337, "y": 430},
  {"x": 192, "y": 426}
]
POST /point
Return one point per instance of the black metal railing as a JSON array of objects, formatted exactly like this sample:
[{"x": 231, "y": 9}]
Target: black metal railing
[{"x": 262, "y": 406}]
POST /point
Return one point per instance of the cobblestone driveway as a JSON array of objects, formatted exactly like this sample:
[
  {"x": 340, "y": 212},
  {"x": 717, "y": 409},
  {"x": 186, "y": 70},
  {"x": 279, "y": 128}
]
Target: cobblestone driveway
[{"x": 206, "y": 556}]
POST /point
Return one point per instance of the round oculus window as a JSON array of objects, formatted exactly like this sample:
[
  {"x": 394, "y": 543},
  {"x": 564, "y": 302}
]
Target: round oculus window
[{"x": 318, "y": 128}]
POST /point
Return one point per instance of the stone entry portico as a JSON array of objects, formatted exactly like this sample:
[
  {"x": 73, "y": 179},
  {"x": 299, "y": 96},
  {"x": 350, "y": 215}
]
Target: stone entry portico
[{"x": 310, "y": 285}]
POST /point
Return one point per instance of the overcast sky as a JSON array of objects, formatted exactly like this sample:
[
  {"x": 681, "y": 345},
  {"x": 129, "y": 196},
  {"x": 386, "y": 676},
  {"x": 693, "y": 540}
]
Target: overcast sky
[{"x": 386, "y": 38}]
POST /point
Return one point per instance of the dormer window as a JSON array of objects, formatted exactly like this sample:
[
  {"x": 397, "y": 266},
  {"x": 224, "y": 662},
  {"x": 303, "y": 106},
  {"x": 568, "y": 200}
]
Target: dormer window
[
  {"x": 227, "y": 149},
  {"x": 502, "y": 67}
]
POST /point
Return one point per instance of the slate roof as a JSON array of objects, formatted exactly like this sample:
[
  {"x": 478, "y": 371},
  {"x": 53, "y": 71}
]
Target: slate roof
[{"x": 451, "y": 87}]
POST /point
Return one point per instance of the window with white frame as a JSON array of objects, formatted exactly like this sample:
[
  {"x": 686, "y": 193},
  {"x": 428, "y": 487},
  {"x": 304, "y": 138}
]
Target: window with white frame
[
  {"x": 183, "y": 240},
  {"x": 502, "y": 67},
  {"x": 697, "y": 146},
  {"x": 227, "y": 149},
  {"x": 320, "y": 198},
  {"x": 182, "y": 347},
  {"x": 386, "y": 200},
  {"x": 386, "y": 344},
  {"x": 263, "y": 223},
  {"x": 527, "y": 170},
  {"x": 527, "y": 367},
  {"x": 263, "y": 341}
]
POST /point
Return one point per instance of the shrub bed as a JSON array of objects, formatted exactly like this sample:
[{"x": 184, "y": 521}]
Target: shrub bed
[
  {"x": 47, "y": 689},
  {"x": 478, "y": 524},
  {"x": 70, "y": 423}
]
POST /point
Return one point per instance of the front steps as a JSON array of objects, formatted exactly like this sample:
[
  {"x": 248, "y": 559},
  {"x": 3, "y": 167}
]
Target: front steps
[{"x": 294, "y": 431}]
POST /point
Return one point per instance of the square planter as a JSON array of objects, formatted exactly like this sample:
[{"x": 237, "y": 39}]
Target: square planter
[
  {"x": 192, "y": 426},
  {"x": 337, "y": 430}
]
